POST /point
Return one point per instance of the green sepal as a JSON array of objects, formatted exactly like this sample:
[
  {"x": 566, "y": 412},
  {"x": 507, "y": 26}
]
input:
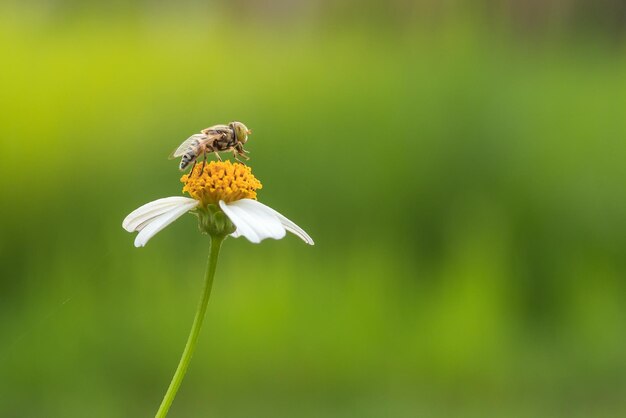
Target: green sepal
[{"x": 212, "y": 221}]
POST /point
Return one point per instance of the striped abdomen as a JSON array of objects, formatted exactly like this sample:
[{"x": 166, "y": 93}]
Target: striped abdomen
[
  {"x": 191, "y": 153},
  {"x": 187, "y": 158}
]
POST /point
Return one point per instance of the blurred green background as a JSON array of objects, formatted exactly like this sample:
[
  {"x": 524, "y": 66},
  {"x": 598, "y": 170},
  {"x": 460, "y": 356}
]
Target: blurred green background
[{"x": 462, "y": 169}]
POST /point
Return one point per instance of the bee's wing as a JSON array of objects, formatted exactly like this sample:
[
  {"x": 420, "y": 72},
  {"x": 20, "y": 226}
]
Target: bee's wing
[{"x": 186, "y": 144}]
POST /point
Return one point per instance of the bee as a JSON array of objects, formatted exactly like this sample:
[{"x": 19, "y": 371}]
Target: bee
[{"x": 214, "y": 139}]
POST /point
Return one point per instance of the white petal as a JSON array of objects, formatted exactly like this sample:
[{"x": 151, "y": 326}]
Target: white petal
[
  {"x": 155, "y": 225},
  {"x": 254, "y": 206},
  {"x": 254, "y": 222},
  {"x": 140, "y": 217},
  {"x": 292, "y": 227}
]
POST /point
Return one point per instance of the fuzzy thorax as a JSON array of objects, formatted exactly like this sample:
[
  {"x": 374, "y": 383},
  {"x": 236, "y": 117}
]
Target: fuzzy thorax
[{"x": 220, "y": 180}]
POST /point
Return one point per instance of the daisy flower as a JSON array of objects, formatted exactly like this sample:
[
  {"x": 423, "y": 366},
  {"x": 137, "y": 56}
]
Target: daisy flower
[
  {"x": 218, "y": 187},
  {"x": 223, "y": 197}
]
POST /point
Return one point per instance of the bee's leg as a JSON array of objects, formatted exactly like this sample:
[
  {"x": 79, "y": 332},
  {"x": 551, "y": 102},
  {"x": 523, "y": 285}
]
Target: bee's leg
[
  {"x": 192, "y": 167},
  {"x": 203, "y": 163},
  {"x": 240, "y": 151},
  {"x": 237, "y": 153},
  {"x": 217, "y": 155},
  {"x": 235, "y": 156}
]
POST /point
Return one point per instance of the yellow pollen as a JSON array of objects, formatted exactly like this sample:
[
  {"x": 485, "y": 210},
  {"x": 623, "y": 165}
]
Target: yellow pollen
[{"x": 220, "y": 181}]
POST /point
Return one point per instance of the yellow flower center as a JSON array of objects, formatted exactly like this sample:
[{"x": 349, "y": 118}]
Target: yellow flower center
[{"x": 220, "y": 181}]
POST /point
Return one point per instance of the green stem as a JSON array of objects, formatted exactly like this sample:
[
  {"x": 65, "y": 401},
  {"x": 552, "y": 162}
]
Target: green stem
[{"x": 216, "y": 243}]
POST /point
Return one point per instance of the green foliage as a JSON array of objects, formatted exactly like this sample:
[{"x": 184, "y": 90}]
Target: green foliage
[{"x": 465, "y": 191}]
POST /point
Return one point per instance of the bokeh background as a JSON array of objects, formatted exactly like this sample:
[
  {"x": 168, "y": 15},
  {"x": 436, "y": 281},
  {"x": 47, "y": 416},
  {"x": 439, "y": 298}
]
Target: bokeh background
[{"x": 461, "y": 166}]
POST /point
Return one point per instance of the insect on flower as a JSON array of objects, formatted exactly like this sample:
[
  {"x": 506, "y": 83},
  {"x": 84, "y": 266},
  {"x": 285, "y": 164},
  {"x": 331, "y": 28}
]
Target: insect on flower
[
  {"x": 214, "y": 139},
  {"x": 222, "y": 188}
]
